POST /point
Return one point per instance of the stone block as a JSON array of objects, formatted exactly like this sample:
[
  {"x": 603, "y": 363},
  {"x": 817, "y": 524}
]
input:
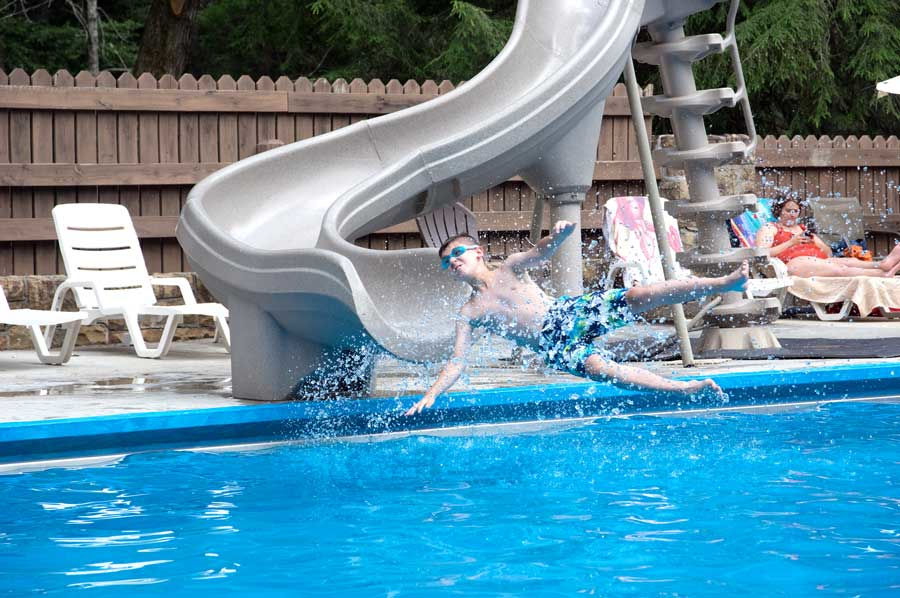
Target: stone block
[
  {"x": 151, "y": 335},
  {"x": 14, "y": 288},
  {"x": 203, "y": 294},
  {"x": 735, "y": 179},
  {"x": 674, "y": 188},
  {"x": 95, "y": 334},
  {"x": 18, "y": 337},
  {"x": 40, "y": 290},
  {"x": 184, "y": 334},
  {"x": 169, "y": 292}
]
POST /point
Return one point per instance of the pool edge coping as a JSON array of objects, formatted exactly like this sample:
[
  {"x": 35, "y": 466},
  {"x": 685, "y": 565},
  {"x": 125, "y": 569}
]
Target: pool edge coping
[{"x": 297, "y": 420}]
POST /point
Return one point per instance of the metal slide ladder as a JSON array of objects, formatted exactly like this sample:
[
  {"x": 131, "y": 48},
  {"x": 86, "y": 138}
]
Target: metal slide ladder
[{"x": 734, "y": 323}]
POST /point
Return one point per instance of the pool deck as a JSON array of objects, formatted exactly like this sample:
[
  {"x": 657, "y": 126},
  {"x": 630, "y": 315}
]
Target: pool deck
[{"x": 195, "y": 375}]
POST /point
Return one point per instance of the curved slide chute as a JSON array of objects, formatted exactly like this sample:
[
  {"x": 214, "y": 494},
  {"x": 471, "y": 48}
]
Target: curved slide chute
[{"x": 272, "y": 235}]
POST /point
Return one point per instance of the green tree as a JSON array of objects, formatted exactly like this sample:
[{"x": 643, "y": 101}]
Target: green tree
[
  {"x": 810, "y": 65},
  {"x": 387, "y": 39},
  {"x": 49, "y": 34}
]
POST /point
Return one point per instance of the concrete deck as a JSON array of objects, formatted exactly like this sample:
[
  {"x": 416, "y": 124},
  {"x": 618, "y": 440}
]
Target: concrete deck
[{"x": 196, "y": 375}]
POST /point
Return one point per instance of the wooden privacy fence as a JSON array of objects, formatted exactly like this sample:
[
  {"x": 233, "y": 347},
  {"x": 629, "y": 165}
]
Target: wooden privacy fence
[{"x": 143, "y": 142}]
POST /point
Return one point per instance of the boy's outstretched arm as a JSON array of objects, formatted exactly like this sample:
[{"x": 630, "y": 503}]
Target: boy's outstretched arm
[
  {"x": 450, "y": 372},
  {"x": 544, "y": 248},
  {"x": 630, "y": 377}
]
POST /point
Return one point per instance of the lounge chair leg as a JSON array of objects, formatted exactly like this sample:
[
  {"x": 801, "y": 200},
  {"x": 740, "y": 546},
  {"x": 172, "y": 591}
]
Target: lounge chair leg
[
  {"x": 41, "y": 346},
  {"x": 224, "y": 331},
  {"x": 137, "y": 336},
  {"x": 168, "y": 333},
  {"x": 55, "y": 306},
  {"x": 827, "y": 317},
  {"x": 43, "y": 349}
]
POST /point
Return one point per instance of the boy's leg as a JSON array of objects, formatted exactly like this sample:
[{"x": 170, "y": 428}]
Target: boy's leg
[
  {"x": 641, "y": 299},
  {"x": 629, "y": 376}
]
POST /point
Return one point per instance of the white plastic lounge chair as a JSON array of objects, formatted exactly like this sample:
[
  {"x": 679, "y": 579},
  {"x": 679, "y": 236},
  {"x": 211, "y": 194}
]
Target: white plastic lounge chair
[
  {"x": 108, "y": 277},
  {"x": 33, "y": 319},
  {"x": 628, "y": 230},
  {"x": 443, "y": 223}
]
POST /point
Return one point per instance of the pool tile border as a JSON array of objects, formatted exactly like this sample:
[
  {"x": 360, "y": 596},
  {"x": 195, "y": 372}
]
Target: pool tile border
[{"x": 102, "y": 435}]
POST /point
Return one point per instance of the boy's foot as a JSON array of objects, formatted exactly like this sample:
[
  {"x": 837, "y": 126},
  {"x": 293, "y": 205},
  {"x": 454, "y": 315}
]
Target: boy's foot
[{"x": 737, "y": 280}]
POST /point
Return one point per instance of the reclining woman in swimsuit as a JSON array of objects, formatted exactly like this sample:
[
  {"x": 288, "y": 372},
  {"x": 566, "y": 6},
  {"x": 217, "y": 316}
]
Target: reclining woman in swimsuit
[{"x": 806, "y": 255}]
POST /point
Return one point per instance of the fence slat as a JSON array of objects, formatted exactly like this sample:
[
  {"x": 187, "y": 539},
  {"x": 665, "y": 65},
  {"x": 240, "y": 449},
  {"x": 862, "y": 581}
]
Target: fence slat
[
  {"x": 86, "y": 136},
  {"x": 246, "y": 123},
  {"x": 208, "y": 126},
  {"x": 6, "y": 251},
  {"x": 322, "y": 122},
  {"x": 265, "y": 122},
  {"x": 42, "y": 144},
  {"x": 284, "y": 123},
  {"x": 170, "y": 197},
  {"x": 20, "y": 151},
  {"x": 148, "y": 151},
  {"x": 228, "y": 127},
  {"x": 6, "y": 260},
  {"x": 852, "y": 175},
  {"x": 340, "y": 86},
  {"x": 303, "y": 123},
  {"x": 129, "y": 196}
]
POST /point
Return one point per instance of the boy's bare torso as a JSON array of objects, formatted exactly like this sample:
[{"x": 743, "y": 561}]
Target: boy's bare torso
[{"x": 511, "y": 305}]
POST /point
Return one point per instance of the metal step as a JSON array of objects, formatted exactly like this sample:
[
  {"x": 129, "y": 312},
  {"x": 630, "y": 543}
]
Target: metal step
[
  {"x": 746, "y": 312},
  {"x": 714, "y": 154},
  {"x": 723, "y": 262},
  {"x": 700, "y": 102},
  {"x": 722, "y": 208},
  {"x": 689, "y": 49}
]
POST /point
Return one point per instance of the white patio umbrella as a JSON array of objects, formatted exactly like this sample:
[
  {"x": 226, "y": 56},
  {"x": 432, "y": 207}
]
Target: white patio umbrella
[{"x": 889, "y": 86}]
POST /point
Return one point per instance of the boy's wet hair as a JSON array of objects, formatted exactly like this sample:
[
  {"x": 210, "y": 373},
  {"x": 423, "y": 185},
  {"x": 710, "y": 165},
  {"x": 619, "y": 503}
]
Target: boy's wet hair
[{"x": 454, "y": 239}]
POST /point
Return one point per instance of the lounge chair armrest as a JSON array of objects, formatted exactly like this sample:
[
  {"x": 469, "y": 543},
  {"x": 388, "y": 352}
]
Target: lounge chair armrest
[
  {"x": 187, "y": 293},
  {"x": 74, "y": 284},
  {"x": 780, "y": 267}
]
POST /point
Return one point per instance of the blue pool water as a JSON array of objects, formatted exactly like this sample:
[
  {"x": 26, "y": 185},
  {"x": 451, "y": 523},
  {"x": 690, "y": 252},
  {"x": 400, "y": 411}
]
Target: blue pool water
[{"x": 786, "y": 504}]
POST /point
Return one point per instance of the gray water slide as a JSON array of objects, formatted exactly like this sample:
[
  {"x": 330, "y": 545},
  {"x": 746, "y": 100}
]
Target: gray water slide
[{"x": 272, "y": 235}]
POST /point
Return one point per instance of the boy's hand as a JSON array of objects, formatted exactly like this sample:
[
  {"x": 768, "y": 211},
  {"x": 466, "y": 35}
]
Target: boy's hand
[
  {"x": 696, "y": 386},
  {"x": 562, "y": 227},
  {"x": 425, "y": 402}
]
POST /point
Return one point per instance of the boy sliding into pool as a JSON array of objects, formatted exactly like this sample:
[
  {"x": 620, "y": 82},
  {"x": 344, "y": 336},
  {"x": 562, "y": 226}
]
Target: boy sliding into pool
[{"x": 507, "y": 302}]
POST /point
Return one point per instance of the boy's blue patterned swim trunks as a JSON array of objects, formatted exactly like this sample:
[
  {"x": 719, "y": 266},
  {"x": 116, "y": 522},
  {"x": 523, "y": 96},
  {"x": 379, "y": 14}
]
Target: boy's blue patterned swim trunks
[{"x": 572, "y": 323}]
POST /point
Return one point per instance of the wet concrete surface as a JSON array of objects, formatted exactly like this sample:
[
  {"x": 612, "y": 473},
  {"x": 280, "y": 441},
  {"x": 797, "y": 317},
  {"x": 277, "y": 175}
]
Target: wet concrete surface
[{"x": 196, "y": 374}]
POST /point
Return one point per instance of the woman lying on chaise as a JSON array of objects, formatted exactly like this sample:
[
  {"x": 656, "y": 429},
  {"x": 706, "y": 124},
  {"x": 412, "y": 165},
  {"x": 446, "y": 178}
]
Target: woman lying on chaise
[{"x": 806, "y": 255}]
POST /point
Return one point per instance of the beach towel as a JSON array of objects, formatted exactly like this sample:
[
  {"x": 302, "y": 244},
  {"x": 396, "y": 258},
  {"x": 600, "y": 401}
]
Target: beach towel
[
  {"x": 866, "y": 292},
  {"x": 628, "y": 229}
]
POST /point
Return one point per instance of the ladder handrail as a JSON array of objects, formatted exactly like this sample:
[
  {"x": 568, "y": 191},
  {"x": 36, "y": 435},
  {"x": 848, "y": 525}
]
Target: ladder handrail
[{"x": 737, "y": 67}]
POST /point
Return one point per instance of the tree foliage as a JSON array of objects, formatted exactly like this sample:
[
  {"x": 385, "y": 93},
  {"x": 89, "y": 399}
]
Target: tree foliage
[
  {"x": 810, "y": 65},
  {"x": 47, "y": 34},
  {"x": 386, "y": 39}
]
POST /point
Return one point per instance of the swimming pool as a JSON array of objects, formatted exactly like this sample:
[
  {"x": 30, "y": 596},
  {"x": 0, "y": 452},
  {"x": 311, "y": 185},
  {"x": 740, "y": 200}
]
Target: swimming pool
[{"x": 790, "y": 503}]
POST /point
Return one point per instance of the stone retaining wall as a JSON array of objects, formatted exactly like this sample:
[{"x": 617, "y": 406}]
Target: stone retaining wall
[{"x": 36, "y": 292}]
